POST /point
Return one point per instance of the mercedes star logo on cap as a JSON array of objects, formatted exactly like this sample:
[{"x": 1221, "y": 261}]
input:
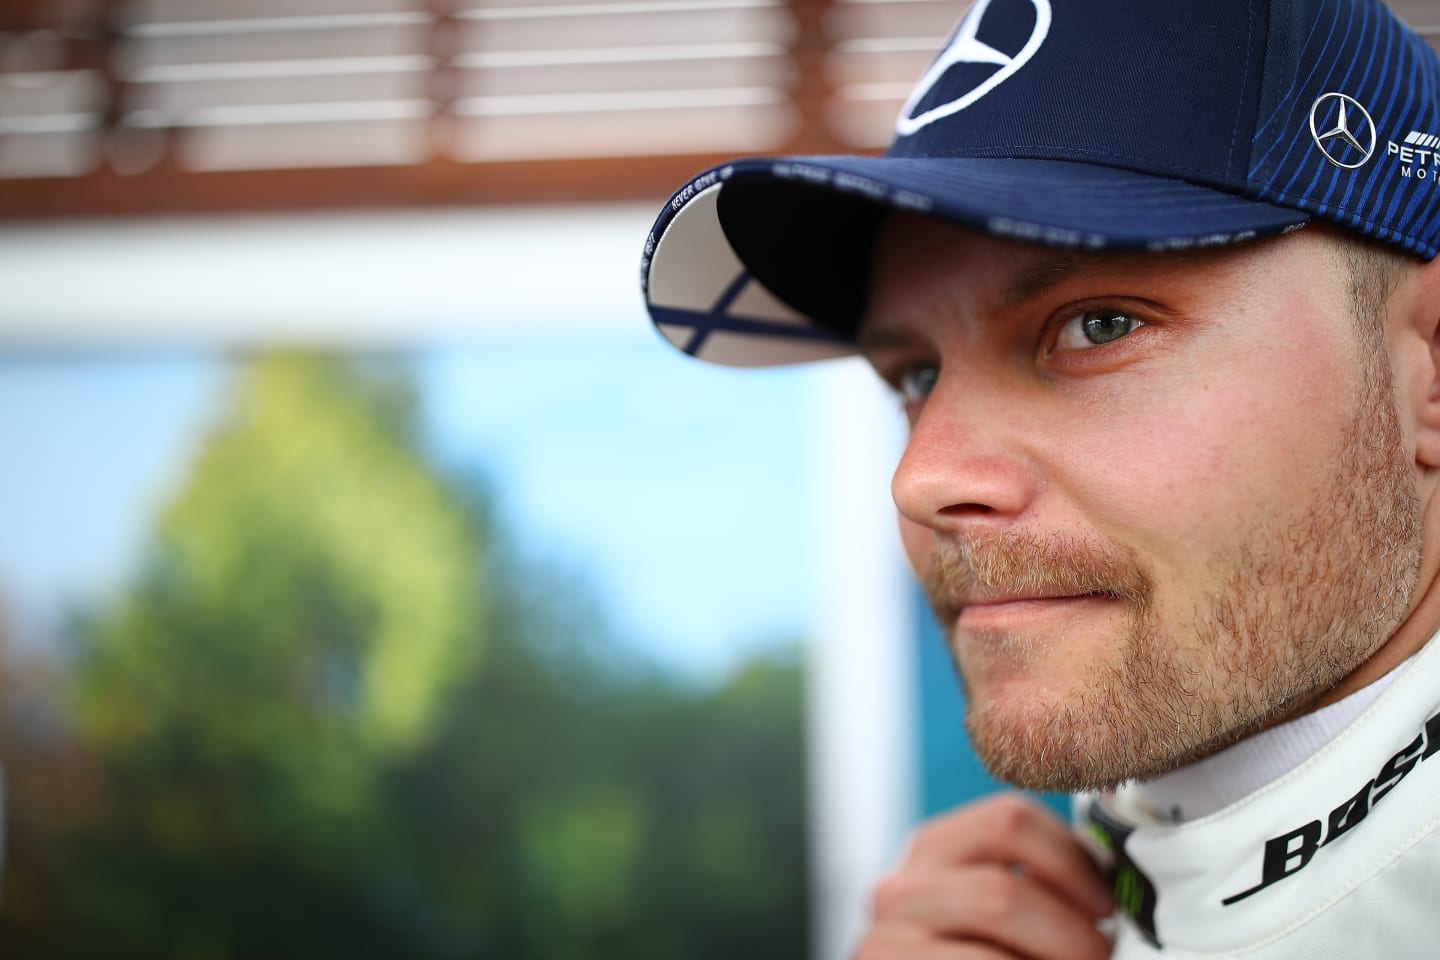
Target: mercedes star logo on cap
[
  {"x": 967, "y": 47},
  {"x": 1348, "y": 140}
]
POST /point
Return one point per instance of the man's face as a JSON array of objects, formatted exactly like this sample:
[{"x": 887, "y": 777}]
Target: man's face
[{"x": 1157, "y": 501}]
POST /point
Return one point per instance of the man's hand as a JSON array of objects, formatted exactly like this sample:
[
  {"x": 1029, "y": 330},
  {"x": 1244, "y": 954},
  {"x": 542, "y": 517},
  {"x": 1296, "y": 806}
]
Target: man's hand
[{"x": 998, "y": 879}]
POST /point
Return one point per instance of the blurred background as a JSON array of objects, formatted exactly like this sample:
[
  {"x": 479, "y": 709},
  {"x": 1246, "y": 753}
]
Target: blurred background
[{"x": 373, "y": 581}]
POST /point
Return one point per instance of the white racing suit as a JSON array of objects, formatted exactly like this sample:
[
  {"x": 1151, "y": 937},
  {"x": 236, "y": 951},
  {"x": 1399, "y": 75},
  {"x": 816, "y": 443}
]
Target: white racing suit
[{"x": 1339, "y": 858}]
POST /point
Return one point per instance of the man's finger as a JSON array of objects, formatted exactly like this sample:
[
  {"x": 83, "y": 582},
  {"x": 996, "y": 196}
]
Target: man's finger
[
  {"x": 885, "y": 943},
  {"x": 1012, "y": 830},
  {"x": 993, "y": 905}
]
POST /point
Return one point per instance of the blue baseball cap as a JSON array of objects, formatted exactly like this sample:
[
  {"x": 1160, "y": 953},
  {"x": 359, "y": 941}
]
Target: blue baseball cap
[{"x": 1098, "y": 125}]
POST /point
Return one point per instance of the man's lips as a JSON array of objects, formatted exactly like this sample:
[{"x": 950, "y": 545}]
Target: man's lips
[{"x": 993, "y": 609}]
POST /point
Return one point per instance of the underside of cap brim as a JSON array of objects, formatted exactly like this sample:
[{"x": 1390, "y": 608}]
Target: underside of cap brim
[
  {"x": 704, "y": 301},
  {"x": 767, "y": 261}
]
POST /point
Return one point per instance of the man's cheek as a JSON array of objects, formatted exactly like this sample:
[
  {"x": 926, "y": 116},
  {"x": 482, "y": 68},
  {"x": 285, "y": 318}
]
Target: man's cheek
[{"x": 1194, "y": 463}]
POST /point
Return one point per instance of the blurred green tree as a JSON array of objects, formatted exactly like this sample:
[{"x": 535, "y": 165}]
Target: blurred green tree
[
  {"x": 311, "y": 603},
  {"x": 336, "y": 717}
]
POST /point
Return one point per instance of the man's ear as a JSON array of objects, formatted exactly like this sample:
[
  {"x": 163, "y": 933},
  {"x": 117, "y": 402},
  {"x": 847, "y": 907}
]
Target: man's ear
[{"x": 1418, "y": 300}]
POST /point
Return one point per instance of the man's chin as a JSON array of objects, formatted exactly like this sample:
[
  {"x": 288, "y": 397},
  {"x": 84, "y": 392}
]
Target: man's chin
[
  {"x": 1035, "y": 751},
  {"x": 1058, "y": 746},
  {"x": 1084, "y": 746},
  {"x": 1061, "y": 710}
]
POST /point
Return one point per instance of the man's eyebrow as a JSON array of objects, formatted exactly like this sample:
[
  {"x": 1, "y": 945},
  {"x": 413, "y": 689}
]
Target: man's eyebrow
[
  {"x": 1043, "y": 274},
  {"x": 869, "y": 339},
  {"x": 1040, "y": 273}
]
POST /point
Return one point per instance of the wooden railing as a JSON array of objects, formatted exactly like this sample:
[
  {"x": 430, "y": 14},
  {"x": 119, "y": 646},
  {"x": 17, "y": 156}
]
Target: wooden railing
[{"x": 125, "y": 107}]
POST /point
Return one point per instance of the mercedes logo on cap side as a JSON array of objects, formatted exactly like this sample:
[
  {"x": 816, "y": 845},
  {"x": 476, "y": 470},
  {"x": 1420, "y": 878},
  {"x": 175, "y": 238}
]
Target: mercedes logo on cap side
[
  {"x": 966, "y": 47},
  {"x": 1343, "y": 130}
]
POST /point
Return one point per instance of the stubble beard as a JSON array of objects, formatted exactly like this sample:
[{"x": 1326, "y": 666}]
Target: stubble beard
[{"x": 1300, "y": 604}]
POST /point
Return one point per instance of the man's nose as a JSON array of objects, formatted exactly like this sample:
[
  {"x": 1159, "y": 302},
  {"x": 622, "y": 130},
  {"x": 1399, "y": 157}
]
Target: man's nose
[{"x": 964, "y": 464}]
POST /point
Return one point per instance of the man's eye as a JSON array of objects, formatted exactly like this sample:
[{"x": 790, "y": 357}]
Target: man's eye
[
  {"x": 1095, "y": 328},
  {"x": 916, "y": 383}
]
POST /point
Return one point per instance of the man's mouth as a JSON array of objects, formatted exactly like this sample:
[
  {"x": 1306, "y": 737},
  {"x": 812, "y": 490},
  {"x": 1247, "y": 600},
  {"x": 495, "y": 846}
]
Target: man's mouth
[
  {"x": 1004, "y": 579},
  {"x": 992, "y": 610}
]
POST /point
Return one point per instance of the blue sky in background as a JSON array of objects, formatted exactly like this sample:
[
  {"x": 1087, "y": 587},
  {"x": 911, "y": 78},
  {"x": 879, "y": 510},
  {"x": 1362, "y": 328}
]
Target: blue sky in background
[
  {"x": 682, "y": 489},
  {"x": 679, "y": 492},
  {"x": 91, "y": 444}
]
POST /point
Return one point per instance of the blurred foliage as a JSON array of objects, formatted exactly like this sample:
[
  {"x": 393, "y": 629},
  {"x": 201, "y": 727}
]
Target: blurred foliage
[{"x": 336, "y": 717}]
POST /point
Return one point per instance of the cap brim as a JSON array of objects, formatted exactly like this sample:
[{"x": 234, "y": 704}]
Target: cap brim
[{"x": 766, "y": 261}]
